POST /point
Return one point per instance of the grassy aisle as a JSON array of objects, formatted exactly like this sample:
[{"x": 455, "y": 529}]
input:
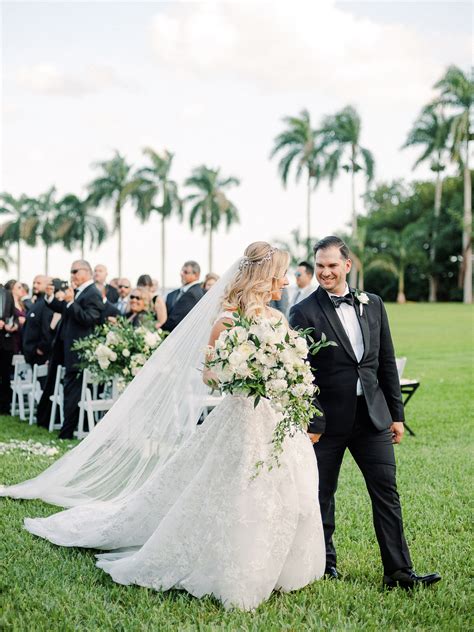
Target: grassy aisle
[{"x": 45, "y": 587}]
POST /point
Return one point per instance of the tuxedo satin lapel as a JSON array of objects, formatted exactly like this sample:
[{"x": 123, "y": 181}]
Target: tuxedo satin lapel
[
  {"x": 363, "y": 322},
  {"x": 333, "y": 319}
]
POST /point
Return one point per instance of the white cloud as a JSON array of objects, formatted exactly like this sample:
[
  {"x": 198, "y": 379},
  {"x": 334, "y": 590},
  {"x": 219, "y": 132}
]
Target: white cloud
[
  {"x": 48, "y": 79},
  {"x": 295, "y": 46}
]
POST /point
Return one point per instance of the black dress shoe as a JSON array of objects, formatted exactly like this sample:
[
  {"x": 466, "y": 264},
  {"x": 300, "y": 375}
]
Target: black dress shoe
[
  {"x": 330, "y": 572},
  {"x": 408, "y": 579}
]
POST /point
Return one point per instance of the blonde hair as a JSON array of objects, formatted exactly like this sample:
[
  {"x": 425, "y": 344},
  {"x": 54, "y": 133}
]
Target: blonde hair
[
  {"x": 251, "y": 288},
  {"x": 144, "y": 294}
]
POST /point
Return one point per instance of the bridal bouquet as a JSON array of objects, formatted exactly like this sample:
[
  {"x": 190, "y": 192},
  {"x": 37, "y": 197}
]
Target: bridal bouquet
[
  {"x": 261, "y": 357},
  {"x": 117, "y": 350}
]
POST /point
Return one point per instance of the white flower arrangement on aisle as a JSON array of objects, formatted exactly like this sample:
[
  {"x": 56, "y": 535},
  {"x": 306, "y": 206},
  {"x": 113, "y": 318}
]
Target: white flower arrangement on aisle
[
  {"x": 117, "y": 350},
  {"x": 261, "y": 357}
]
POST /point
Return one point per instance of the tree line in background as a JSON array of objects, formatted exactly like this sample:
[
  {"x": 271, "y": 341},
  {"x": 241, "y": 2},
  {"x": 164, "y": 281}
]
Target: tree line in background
[{"x": 402, "y": 234}]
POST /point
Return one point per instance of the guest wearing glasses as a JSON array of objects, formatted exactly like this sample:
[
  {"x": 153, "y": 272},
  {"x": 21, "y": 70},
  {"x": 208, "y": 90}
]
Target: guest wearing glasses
[
  {"x": 81, "y": 309},
  {"x": 304, "y": 276},
  {"x": 180, "y": 302},
  {"x": 124, "y": 287},
  {"x": 139, "y": 304}
]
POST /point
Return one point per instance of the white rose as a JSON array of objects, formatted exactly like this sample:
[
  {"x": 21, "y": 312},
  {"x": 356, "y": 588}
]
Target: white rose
[
  {"x": 277, "y": 385},
  {"x": 151, "y": 339},
  {"x": 298, "y": 390},
  {"x": 300, "y": 345},
  {"x": 112, "y": 355},
  {"x": 112, "y": 338},
  {"x": 135, "y": 370},
  {"x": 126, "y": 353},
  {"x": 281, "y": 374},
  {"x": 103, "y": 363},
  {"x": 363, "y": 298}
]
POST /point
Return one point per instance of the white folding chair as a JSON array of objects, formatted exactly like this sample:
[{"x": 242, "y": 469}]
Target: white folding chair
[
  {"x": 400, "y": 366},
  {"x": 21, "y": 385},
  {"x": 57, "y": 399},
  {"x": 90, "y": 405},
  {"x": 39, "y": 370}
]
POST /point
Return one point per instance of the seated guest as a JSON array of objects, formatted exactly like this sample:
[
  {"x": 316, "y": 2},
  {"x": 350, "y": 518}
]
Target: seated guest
[
  {"x": 157, "y": 304},
  {"x": 37, "y": 332},
  {"x": 139, "y": 306},
  {"x": 209, "y": 281},
  {"x": 180, "y": 302},
  {"x": 19, "y": 312},
  {"x": 100, "y": 276},
  {"x": 111, "y": 311},
  {"x": 123, "y": 287}
]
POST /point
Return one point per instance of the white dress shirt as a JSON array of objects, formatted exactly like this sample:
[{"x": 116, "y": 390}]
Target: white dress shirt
[{"x": 348, "y": 317}]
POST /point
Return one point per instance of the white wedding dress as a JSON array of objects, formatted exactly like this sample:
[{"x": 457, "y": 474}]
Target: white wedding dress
[{"x": 202, "y": 523}]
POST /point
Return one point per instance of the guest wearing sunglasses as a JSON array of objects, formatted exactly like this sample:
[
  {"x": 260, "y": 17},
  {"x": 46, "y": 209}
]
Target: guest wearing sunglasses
[
  {"x": 81, "y": 309},
  {"x": 139, "y": 306},
  {"x": 122, "y": 304},
  {"x": 304, "y": 276}
]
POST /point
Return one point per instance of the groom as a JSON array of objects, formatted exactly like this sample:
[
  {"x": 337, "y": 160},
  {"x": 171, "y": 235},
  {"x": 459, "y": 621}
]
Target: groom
[{"x": 361, "y": 404}]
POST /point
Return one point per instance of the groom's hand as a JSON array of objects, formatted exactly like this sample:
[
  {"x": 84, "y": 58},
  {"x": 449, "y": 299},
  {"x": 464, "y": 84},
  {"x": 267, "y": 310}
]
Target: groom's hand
[
  {"x": 397, "y": 428},
  {"x": 314, "y": 437}
]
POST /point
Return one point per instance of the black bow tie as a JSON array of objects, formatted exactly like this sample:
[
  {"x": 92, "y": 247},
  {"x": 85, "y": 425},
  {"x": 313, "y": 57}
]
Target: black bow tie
[{"x": 338, "y": 300}]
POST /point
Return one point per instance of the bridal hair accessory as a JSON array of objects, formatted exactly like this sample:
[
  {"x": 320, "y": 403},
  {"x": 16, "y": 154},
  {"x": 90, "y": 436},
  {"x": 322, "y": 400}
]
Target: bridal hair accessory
[{"x": 246, "y": 261}]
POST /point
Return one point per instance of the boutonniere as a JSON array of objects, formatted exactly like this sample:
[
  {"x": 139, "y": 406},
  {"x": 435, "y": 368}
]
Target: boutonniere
[{"x": 363, "y": 300}]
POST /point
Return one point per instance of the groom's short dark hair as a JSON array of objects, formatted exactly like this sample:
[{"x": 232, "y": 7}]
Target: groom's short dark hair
[{"x": 329, "y": 242}]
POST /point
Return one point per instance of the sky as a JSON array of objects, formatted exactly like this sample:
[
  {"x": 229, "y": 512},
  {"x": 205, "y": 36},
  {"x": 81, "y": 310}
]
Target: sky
[{"x": 211, "y": 83}]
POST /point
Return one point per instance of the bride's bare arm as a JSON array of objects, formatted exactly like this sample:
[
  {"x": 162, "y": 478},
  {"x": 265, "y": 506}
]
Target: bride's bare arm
[{"x": 208, "y": 376}]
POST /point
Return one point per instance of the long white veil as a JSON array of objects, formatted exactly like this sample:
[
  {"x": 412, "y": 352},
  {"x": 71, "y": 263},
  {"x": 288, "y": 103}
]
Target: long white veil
[{"x": 148, "y": 423}]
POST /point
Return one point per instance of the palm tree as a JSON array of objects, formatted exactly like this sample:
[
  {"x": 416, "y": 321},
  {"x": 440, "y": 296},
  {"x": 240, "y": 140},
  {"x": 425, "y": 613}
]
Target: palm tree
[
  {"x": 210, "y": 204},
  {"x": 457, "y": 93},
  {"x": 158, "y": 193},
  {"x": 43, "y": 217},
  {"x": 300, "y": 147},
  {"x": 5, "y": 259},
  {"x": 340, "y": 135},
  {"x": 359, "y": 254},
  {"x": 117, "y": 185},
  {"x": 76, "y": 222},
  {"x": 18, "y": 225},
  {"x": 431, "y": 132}
]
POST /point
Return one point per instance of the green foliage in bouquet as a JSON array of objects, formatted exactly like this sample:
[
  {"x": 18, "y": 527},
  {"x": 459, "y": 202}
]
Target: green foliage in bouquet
[
  {"x": 118, "y": 350},
  {"x": 261, "y": 357}
]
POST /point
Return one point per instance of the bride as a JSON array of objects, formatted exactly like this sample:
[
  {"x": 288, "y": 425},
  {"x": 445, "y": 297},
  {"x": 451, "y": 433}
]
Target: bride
[{"x": 175, "y": 505}]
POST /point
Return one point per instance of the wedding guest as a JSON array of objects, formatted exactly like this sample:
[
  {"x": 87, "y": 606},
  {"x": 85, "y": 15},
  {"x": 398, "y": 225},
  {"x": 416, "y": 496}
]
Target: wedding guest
[
  {"x": 157, "y": 304},
  {"x": 19, "y": 312},
  {"x": 114, "y": 282},
  {"x": 81, "y": 311},
  {"x": 100, "y": 276},
  {"x": 111, "y": 311},
  {"x": 123, "y": 287},
  {"x": 37, "y": 332},
  {"x": 180, "y": 302},
  {"x": 304, "y": 276},
  {"x": 7, "y": 328},
  {"x": 139, "y": 306},
  {"x": 209, "y": 281}
]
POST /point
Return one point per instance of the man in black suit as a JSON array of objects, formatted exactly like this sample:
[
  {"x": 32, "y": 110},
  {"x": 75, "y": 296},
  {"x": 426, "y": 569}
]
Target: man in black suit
[
  {"x": 37, "y": 335},
  {"x": 81, "y": 311},
  {"x": 100, "y": 276},
  {"x": 361, "y": 406},
  {"x": 7, "y": 327},
  {"x": 180, "y": 302}
]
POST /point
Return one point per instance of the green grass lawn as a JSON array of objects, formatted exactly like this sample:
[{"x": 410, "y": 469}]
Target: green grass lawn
[{"x": 51, "y": 588}]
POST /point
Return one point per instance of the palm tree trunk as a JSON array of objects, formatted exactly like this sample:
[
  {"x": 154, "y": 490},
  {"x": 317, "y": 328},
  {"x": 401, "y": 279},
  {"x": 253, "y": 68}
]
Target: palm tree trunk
[
  {"x": 46, "y": 260},
  {"x": 308, "y": 218},
  {"x": 401, "y": 298},
  {"x": 353, "y": 272},
  {"x": 83, "y": 237},
  {"x": 360, "y": 284},
  {"x": 467, "y": 229},
  {"x": 434, "y": 233},
  {"x": 18, "y": 259},
  {"x": 163, "y": 253},
  {"x": 210, "y": 248},
  {"x": 118, "y": 224}
]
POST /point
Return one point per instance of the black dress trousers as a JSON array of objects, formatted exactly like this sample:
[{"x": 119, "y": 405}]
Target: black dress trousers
[{"x": 373, "y": 452}]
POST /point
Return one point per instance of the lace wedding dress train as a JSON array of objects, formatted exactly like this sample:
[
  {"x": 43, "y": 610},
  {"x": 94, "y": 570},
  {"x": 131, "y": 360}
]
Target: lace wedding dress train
[{"x": 202, "y": 524}]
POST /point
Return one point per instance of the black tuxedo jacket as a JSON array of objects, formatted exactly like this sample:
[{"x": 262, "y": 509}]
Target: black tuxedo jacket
[
  {"x": 336, "y": 368},
  {"x": 181, "y": 308},
  {"x": 111, "y": 293},
  {"x": 78, "y": 320},
  {"x": 7, "y": 311},
  {"x": 109, "y": 310},
  {"x": 36, "y": 332}
]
